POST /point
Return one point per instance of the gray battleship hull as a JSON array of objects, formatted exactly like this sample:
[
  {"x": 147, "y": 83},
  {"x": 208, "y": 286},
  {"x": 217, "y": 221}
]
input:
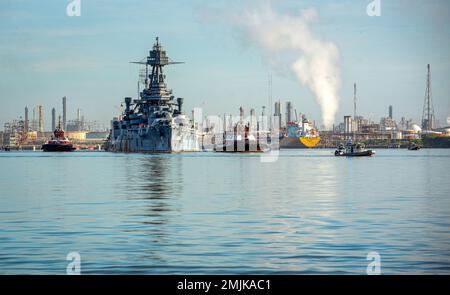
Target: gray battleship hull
[{"x": 156, "y": 140}]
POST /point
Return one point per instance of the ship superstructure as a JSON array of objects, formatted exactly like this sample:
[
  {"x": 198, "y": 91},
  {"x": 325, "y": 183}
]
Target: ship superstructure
[
  {"x": 301, "y": 134},
  {"x": 155, "y": 122}
]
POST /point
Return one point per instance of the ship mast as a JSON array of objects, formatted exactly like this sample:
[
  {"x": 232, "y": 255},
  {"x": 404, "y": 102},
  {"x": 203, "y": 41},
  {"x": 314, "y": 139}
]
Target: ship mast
[{"x": 155, "y": 88}]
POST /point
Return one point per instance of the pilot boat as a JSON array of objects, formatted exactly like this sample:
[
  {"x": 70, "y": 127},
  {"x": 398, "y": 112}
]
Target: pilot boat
[
  {"x": 353, "y": 150},
  {"x": 413, "y": 146}
]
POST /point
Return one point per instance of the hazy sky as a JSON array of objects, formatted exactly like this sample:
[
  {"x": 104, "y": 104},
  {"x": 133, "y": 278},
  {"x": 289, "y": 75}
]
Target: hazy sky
[{"x": 45, "y": 54}]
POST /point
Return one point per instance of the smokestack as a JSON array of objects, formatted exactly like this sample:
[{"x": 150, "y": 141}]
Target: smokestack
[
  {"x": 262, "y": 125},
  {"x": 253, "y": 121},
  {"x": 390, "y": 112},
  {"x": 289, "y": 112},
  {"x": 354, "y": 101},
  {"x": 355, "y": 120},
  {"x": 33, "y": 122},
  {"x": 41, "y": 118},
  {"x": 278, "y": 109},
  {"x": 26, "y": 120},
  {"x": 180, "y": 104},
  {"x": 348, "y": 125},
  {"x": 127, "y": 104},
  {"x": 78, "y": 119},
  {"x": 315, "y": 62},
  {"x": 64, "y": 102},
  {"x": 53, "y": 119}
]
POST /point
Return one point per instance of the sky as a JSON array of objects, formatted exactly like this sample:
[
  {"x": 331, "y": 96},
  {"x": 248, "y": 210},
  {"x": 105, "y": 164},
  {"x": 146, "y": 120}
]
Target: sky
[{"x": 46, "y": 54}]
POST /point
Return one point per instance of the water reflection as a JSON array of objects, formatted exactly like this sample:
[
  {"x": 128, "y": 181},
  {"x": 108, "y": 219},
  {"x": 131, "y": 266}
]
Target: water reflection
[
  {"x": 153, "y": 186},
  {"x": 156, "y": 179},
  {"x": 206, "y": 213}
]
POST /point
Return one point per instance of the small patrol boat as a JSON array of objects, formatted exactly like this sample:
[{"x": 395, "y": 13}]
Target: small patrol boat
[
  {"x": 413, "y": 146},
  {"x": 353, "y": 150}
]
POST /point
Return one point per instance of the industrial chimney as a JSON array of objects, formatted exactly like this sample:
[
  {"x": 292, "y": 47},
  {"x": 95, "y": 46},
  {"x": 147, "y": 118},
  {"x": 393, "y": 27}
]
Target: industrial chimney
[
  {"x": 41, "y": 118},
  {"x": 64, "y": 102},
  {"x": 53, "y": 119},
  {"x": 26, "y": 120}
]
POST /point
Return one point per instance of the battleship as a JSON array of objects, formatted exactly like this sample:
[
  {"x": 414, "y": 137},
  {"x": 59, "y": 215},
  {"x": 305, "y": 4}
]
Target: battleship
[{"x": 154, "y": 122}]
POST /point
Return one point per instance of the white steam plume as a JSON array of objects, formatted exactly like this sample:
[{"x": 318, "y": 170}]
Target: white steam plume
[{"x": 315, "y": 62}]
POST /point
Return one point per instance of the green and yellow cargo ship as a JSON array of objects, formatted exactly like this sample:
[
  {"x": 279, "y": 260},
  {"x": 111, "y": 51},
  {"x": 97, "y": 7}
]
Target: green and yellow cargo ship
[{"x": 300, "y": 135}]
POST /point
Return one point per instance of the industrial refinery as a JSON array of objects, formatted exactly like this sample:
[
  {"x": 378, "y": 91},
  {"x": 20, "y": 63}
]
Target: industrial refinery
[
  {"x": 132, "y": 130},
  {"x": 28, "y": 132}
]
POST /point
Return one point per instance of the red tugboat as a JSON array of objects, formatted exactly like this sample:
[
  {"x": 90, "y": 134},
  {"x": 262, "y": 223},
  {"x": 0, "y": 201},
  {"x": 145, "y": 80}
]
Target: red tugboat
[{"x": 58, "y": 142}]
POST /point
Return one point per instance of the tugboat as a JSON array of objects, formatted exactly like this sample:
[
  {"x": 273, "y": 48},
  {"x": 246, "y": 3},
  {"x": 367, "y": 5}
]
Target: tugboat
[
  {"x": 353, "y": 150},
  {"x": 413, "y": 146},
  {"x": 58, "y": 142}
]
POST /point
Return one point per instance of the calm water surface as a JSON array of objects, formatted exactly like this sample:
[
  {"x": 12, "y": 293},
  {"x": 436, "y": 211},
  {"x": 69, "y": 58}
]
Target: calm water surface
[{"x": 205, "y": 213}]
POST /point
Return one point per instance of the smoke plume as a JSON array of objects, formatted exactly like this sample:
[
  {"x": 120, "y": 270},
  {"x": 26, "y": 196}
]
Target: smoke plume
[{"x": 314, "y": 62}]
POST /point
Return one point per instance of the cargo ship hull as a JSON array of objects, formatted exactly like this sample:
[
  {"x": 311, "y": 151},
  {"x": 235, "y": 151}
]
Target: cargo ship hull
[{"x": 298, "y": 143}]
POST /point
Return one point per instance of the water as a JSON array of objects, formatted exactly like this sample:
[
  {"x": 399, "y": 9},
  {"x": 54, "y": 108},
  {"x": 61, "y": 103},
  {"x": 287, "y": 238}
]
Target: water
[{"x": 206, "y": 213}]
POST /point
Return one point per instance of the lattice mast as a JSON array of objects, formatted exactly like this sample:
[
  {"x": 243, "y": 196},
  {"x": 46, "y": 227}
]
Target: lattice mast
[
  {"x": 428, "y": 109},
  {"x": 354, "y": 101}
]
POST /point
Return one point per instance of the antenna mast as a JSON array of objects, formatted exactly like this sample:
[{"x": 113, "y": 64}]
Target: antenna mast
[
  {"x": 354, "y": 101},
  {"x": 428, "y": 109}
]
